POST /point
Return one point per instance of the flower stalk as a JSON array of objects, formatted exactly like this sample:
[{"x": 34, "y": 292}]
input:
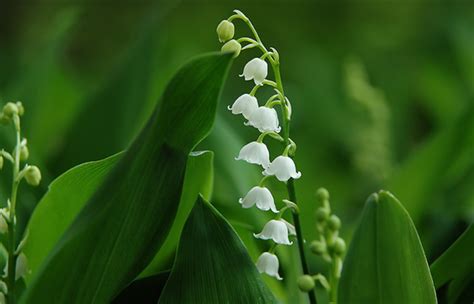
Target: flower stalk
[{"x": 16, "y": 264}]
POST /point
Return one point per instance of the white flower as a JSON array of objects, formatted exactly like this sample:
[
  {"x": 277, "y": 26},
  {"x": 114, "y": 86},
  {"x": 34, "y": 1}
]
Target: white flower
[
  {"x": 268, "y": 263},
  {"x": 260, "y": 196},
  {"x": 291, "y": 228},
  {"x": 275, "y": 230},
  {"x": 246, "y": 104},
  {"x": 256, "y": 69},
  {"x": 264, "y": 119},
  {"x": 255, "y": 153},
  {"x": 283, "y": 168}
]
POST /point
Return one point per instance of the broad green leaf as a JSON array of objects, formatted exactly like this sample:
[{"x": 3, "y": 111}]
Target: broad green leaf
[
  {"x": 126, "y": 221},
  {"x": 455, "y": 267},
  {"x": 57, "y": 209},
  {"x": 212, "y": 264},
  {"x": 385, "y": 262},
  {"x": 197, "y": 180}
]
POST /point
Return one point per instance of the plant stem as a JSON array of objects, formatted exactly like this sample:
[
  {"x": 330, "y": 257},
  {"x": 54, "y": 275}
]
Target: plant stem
[
  {"x": 290, "y": 184},
  {"x": 12, "y": 222}
]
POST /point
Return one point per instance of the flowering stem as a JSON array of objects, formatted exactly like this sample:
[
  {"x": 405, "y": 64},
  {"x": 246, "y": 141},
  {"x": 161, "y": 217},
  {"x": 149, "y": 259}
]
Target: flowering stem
[
  {"x": 11, "y": 276},
  {"x": 290, "y": 184}
]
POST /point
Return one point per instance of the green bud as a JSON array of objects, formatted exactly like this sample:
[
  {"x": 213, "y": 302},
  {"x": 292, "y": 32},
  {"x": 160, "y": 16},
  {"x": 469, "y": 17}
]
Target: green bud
[
  {"x": 305, "y": 283},
  {"x": 225, "y": 30},
  {"x": 334, "y": 223},
  {"x": 4, "y": 120},
  {"x": 1, "y": 162},
  {"x": 317, "y": 247},
  {"x": 24, "y": 153},
  {"x": 339, "y": 246},
  {"x": 33, "y": 175},
  {"x": 10, "y": 109},
  {"x": 21, "y": 109},
  {"x": 232, "y": 46},
  {"x": 322, "y": 214},
  {"x": 322, "y": 195}
]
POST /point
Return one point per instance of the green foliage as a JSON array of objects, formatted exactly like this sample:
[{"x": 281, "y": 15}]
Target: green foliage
[
  {"x": 212, "y": 264},
  {"x": 456, "y": 267},
  {"x": 56, "y": 211},
  {"x": 385, "y": 262},
  {"x": 101, "y": 252}
]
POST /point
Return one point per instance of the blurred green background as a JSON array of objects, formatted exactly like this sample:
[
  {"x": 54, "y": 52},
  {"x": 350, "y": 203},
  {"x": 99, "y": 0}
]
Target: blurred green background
[{"x": 382, "y": 96}]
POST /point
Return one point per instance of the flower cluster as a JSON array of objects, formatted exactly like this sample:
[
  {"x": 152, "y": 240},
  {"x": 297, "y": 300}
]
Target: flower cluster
[
  {"x": 265, "y": 119},
  {"x": 16, "y": 264}
]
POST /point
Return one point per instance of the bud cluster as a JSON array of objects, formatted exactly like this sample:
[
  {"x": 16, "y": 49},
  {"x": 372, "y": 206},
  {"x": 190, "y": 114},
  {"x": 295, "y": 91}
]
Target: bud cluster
[
  {"x": 16, "y": 267},
  {"x": 263, "y": 118}
]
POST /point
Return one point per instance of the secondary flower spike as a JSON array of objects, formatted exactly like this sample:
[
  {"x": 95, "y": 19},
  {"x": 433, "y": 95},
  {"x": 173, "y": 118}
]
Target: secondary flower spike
[
  {"x": 268, "y": 263},
  {"x": 275, "y": 230},
  {"x": 255, "y": 153},
  {"x": 246, "y": 104},
  {"x": 256, "y": 69},
  {"x": 261, "y": 197},
  {"x": 283, "y": 168},
  {"x": 264, "y": 119}
]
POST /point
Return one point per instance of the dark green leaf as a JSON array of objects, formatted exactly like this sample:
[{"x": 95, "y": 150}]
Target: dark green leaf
[
  {"x": 119, "y": 230},
  {"x": 456, "y": 266},
  {"x": 212, "y": 264},
  {"x": 385, "y": 262}
]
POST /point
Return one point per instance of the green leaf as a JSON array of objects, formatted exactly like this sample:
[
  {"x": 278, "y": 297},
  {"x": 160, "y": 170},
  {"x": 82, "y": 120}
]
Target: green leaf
[
  {"x": 212, "y": 264},
  {"x": 456, "y": 266},
  {"x": 126, "y": 221},
  {"x": 57, "y": 209},
  {"x": 385, "y": 262},
  {"x": 197, "y": 180}
]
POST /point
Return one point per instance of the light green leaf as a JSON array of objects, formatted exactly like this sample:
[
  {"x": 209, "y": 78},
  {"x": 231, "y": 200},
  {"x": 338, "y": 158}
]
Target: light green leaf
[
  {"x": 212, "y": 264},
  {"x": 456, "y": 266},
  {"x": 101, "y": 252},
  {"x": 57, "y": 209},
  {"x": 385, "y": 262}
]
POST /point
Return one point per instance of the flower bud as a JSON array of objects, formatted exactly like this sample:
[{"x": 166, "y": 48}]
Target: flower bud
[
  {"x": 339, "y": 246},
  {"x": 24, "y": 153},
  {"x": 21, "y": 109},
  {"x": 33, "y": 175},
  {"x": 10, "y": 109},
  {"x": 232, "y": 46},
  {"x": 317, "y": 247},
  {"x": 225, "y": 30},
  {"x": 322, "y": 195},
  {"x": 1, "y": 162},
  {"x": 305, "y": 283},
  {"x": 322, "y": 214},
  {"x": 334, "y": 223},
  {"x": 21, "y": 266}
]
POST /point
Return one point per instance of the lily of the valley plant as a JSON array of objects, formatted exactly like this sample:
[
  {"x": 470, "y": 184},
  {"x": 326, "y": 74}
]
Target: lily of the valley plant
[{"x": 263, "y": 116}]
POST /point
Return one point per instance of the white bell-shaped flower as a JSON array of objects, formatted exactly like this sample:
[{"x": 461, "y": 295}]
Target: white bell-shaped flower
[
  {"x": 256, "y": 69},
  {"x": 268, "y": 263},
  {"x": 264, "y": 119},
  {"x": 283, "y": 168},
  {"x": 275, "y": 230},
  {"x": 291, "y": 228},
  {"x": 261, "y": 197},
  {"x": 255, "y": 153},
  {"x": 246, "y": 104}
]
